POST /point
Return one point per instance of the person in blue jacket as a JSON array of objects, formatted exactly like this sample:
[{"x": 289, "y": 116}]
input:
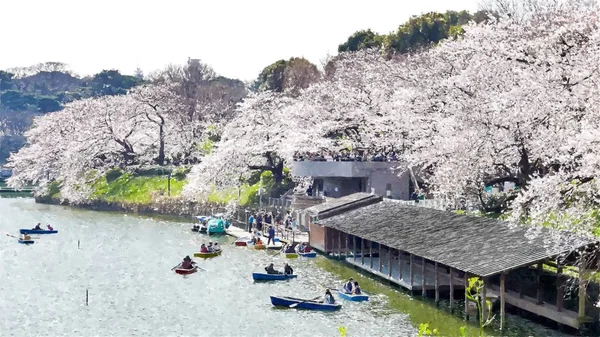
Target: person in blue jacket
[{"x": 271, "y": 235}]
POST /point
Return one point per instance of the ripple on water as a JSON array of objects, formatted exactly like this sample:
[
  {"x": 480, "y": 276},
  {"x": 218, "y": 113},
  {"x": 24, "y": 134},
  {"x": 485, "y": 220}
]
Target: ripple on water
[{"x": 126, "y": 262}]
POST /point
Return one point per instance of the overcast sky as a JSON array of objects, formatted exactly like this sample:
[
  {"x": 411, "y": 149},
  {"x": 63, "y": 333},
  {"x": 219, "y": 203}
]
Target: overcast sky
[{"x": 237, "y": 38}]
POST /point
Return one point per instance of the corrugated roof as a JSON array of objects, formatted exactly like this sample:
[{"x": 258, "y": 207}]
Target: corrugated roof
[{"x": 477, "y": 245}]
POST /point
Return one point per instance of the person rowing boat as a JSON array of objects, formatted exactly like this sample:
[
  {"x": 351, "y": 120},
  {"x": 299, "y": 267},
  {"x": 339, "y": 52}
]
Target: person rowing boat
[
  {"x": 38, "y": 227},
  {"x": 270, "y": 269},
  {"x": 25, "y": 237},
  {"x": 187, "y": 263}
]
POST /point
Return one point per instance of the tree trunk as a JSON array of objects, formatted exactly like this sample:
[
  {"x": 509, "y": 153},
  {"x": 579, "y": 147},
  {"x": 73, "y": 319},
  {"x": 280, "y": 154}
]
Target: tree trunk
[
  {"x": 277, "y": 171},
  {"x": 161, "y": 146}
]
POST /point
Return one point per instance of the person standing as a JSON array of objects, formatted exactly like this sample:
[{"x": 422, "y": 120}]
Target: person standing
[
  {"x": 271, "y": 235},
  {"x": 250, "y": 222}
]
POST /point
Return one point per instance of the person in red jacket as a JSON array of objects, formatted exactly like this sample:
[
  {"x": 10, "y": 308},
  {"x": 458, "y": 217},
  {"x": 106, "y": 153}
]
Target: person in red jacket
[{"x": 203, "y": 249}]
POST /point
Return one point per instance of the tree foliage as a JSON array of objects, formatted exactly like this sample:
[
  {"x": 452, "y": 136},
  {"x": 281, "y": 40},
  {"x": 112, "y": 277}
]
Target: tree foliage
[{"x": 291, "y": 75}]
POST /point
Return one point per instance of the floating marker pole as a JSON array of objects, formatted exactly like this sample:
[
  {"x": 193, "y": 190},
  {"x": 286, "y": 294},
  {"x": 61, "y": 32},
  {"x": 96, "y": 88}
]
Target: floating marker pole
[
  {"x": 86, "y": 297},
  {"x": 77, "y": 244}
]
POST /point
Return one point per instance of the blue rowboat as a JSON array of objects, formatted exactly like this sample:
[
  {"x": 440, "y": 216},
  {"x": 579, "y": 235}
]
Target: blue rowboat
[
  {"x": 271, "y": 277},
  {"x": 354, "y": 298},
  {"x": 37, "y": 231},
  {"x": 286, "y": 301},
  {"x": 26, "y": 242},
  {"x": 309, "y": 254}
]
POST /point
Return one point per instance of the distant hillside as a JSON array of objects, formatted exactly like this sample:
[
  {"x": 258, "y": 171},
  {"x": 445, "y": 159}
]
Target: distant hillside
[{"x": 28, "y": 92}]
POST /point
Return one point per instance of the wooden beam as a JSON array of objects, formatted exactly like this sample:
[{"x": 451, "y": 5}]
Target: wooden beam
[
  {"x": 539, "y": 282},
  {"x": 400, "y": 264},
  {"x": 502, "y": 290},
  {"x": 560, "y": 290},
  {"x": 339, "y": 244},
  {"x": 354, "y": 248},
  {"x": 451, "y": 272},
  {"x": 423, "y": 278},
  {"x": 410, "y": 272},
  {"x": 582, "y": 293},
  {"x": 390, "y": 264},
  {"x": 362, "y": 251},
  {"x": 380, "y": 258},
  {"x": 466, "y": 299},
  {"x": 437, "y": 284},
  {"x": 484, "y": 300},
  {"x": 371, "y": 255}
]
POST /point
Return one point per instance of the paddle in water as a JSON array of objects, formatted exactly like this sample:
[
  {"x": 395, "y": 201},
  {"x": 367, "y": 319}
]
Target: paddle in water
[{"x": 313, "y": 299}]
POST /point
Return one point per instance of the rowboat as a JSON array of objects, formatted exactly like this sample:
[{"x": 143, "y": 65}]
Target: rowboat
[
  {"x": 286, "y": 301},
  {"x": 242, "y": 242},
  {"x": 26, "y": 242},
  {"x": 354, "y": 298},
  {"x": 291, "y": 255},
  {"x": 37, "y": 231},
  {"x": 309, "y": 254},
  {"x": 208, "y": 255},
  {"x": 271, "y": 277},
  {"x": 182, "y": 271}
]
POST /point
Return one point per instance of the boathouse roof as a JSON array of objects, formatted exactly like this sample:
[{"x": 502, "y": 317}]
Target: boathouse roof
[
  {"x": 333, "y": 206},
  {"x": 476, "y": 245}
]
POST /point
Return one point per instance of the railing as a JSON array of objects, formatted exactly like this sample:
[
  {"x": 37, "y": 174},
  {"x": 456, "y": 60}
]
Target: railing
[
  {"x": 440, "y": 204},
  {"x": 280, "y": 203}
]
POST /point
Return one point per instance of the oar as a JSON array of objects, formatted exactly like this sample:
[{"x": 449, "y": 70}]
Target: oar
[
  {"x": 176, "y": 266},
  {"x": 296, "y": 304},
  {"x": 195, "y": 264},
  {"x": 16, "y": 237}
]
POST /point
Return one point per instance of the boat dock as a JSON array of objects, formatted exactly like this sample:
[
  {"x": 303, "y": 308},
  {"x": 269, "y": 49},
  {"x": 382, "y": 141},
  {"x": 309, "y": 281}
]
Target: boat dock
[
  {"x": 287, "y": 237},
  {"x": 424, "y": 249}
]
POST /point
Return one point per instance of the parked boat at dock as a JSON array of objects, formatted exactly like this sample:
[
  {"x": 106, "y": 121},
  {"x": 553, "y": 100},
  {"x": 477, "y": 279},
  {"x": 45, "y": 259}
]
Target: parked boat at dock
[{"x": 286, "y": 301}]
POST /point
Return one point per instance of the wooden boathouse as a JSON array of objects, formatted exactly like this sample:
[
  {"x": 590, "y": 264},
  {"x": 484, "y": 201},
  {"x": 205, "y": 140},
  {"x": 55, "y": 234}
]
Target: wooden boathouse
[{"x": 433, "y": 252}]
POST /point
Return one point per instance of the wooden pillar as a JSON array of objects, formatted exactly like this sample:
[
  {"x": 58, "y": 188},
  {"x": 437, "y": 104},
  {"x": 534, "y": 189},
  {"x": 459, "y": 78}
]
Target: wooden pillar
[
  {"x": 390, "y": 265},
  {"x": 380, "y": 259},
  {"x": 560, "y": 291},
  {"x": 400, "y": 264},
  {"x": 502, "y": 290},
  {"x": 354, "y": 248},
  {"x": 423, "y": 278},
  {"x": 411, "y": 274},
  {"x": 451, "y": 275},
  {"x": 582, "y": 292},
  {"x": 362, "y": 251},
  {"x": 371, "y": 254},
  {"x": 339, "y": 244},
  {"x": 437, "y": 284},
  {"x": 539, "y": 282},
  {"x": 483, "y": 294},
  {"x": 466, "y": 299}
]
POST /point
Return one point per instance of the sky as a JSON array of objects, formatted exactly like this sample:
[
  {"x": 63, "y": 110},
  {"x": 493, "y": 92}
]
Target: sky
[{"x": 237, "y": 38}]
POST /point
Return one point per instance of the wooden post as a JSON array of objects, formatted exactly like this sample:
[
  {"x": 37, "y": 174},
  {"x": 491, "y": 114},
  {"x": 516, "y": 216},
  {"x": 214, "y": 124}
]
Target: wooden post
[
  {"x": 502, "y": 277},
  {"x": 380, "y": 259},
  {"x": 410, "y": 272},
  {"x": 466, "y": 299},
  {"x": 400, "y": 265},
  {"x": 484, "y": 300},
  {"x": 423, "y": 277},
  {"x": 539, "y": 282},
  {"x": 582, "y": 292},
  {"x": 371, "y": 255},
  {"x": 451, "y": 289},
  {"x": 437, "y": 284},
  {"x": 354, "y": 247},
  {"x": 339, "y": 236},
  {"x": 390, "y": 265},
  {"x": 560, "y": 295},
  {"x": 362, "y": 251}
]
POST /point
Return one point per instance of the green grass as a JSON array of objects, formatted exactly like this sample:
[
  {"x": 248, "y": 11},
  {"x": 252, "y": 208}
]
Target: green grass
[{"x": 135, "y": 189}]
